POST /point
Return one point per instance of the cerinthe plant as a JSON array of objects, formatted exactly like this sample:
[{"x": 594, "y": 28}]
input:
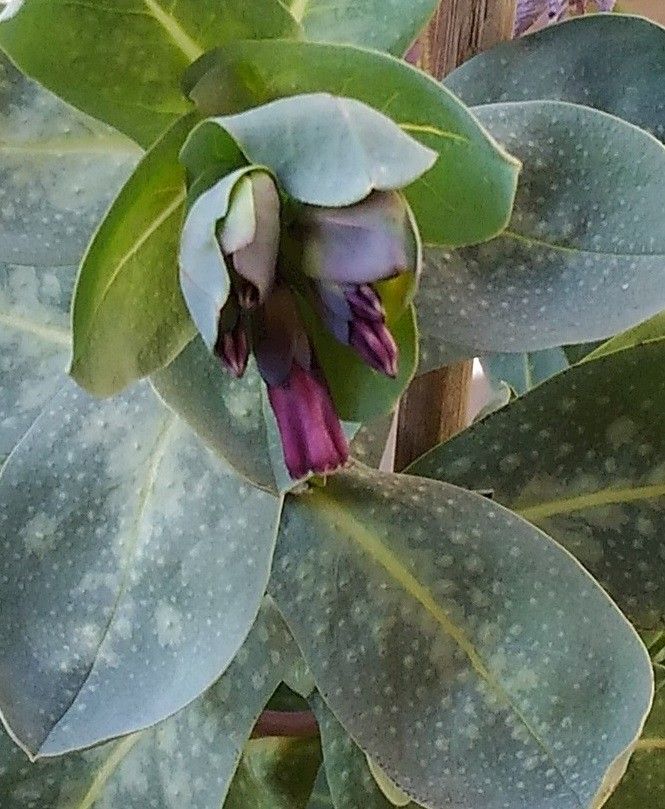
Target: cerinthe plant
[{"x": 266, "y": 223}]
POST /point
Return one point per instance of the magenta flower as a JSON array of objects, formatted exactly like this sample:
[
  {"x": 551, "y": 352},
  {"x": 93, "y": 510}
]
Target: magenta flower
[{"x": 534, "y": 14}]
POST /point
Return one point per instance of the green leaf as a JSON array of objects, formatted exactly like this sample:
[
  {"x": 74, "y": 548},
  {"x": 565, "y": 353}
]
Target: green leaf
[
  {"x": 130, "y": 557},
  {"x": 320, "y": 798},
  {"x": 615, "y": 63},
  {"x": 462, "y": 649},
  {"x": 467, "y": 197},
  {"x": 130, "y": 275},
  {"x": 59, "y": 170},
  {"x": 332, "y": 151},
  {"x": 226, "y": 413},
  {"x": 581, "y": 457},
  {"x": 122, "y": 62},
  {"x": 275, "y": 773},
  {"x": 524, "y": 371},
  {"x": 644, "y": 782},
  {"x": 348, "y": 774},
  {"x": 583, "y": 255},
  {"x": 189, "y": 759},
  {"x": 384, "y": 25},
  {"x": 652, "y": 329}
]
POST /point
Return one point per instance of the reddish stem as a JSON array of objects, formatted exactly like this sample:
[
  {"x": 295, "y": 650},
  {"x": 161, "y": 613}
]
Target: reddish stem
[{"x": 296, "y": 724}]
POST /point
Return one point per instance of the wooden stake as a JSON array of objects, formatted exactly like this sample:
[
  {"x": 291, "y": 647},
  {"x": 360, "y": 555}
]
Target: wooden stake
[{"x": 434, "y": 406}]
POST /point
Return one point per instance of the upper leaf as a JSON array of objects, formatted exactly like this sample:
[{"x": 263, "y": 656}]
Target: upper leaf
[
  {"x": 430, "y": 614},
  {"x": 122, "y": 62},
  {"x": 192, "y": 756},
  {"x": 133, "y": 559},
  {"x": 465, "y": 198},
  {"x": 613, "y": 62},
  {"x": 324, "y": 149},
  {"x": 581, "y": 456},
  {"x": 385, "y": 25},
  {"x": 584, "y": 254}
]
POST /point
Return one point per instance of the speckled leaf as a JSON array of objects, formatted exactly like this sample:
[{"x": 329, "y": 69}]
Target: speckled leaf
[
  {"x": 385, "y": 25},
  {"x": 350, "y": 781},
  {"x": 130, "y": 75},
  {"x": 115, "y": 507},
  {"x": 652, "y": 329},
  {"x": 582, "y": 457},
  {"x": 469, "y": 655},
  {"x": 187, "y": 760},
  {"x": 584, "y": 254},
  {"x": 59, "y": 170},
  {"x": 332, "y": 150},
  {"x": 467, "y": 197},
  {"x": 130, "y": 272},
  {"x": 614, "y": 63},
  {"x": 275, "y": 773},
  {"x": 369, "y": 443},
  {"x": 524, "y": 371},
  {"x": 226, "y": 413},
  {"x": 320, "y": 798}
]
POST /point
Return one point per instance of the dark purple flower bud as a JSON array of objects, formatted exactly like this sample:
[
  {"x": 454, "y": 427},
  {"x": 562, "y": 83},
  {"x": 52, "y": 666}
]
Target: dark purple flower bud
[
  {"x": 361, "y": 243},
  {"x": 375, "y": 344},
  {"x": 310, "y": 430},
  {"x": 365, "y": 303},
  {"x": 249, "y": 237}
]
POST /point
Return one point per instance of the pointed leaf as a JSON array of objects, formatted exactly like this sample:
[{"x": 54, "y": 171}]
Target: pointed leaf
[
  {"x": 130, "y": 76},
  {"x": 581, "y": 457},
  {"x": 652, "y": 329},
  {"x": 135, "y": 524},
  {"x": 615, "y": 63},
  {"x": 467, "y": 197},
  {"x": 320, "y": 798},
  {"x": 583, "y": 255},
  {"x": 524, "y": 371},
  {"x": 384, "y": 25},
  {"x": 420, "y": 609},
  {"x": 189, "y": 758}
]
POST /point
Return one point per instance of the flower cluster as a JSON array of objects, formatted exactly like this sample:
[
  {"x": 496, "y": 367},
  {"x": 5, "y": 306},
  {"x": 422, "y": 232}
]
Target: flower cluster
[
  {"x": 339, "y": 255},
  {"x": 534, "y": 14}
]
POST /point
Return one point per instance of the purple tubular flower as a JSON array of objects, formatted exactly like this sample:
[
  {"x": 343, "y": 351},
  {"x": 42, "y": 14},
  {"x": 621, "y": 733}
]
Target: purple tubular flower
[
  {"x": 310, "y": 430},
  {"x": 375, "y": 344},
  {"x": 534, "y": 14}
]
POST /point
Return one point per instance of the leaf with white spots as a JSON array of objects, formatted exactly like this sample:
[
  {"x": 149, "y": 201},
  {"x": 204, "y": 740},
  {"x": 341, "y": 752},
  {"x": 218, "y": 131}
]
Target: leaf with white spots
[
  {"x": 122, "y": 61},
  {"x": 581, "y": 456},
  {"x": 133, "y": 565},
  {"x": 614, "y": 63},
  {"x": 275, "y": 773},
  {"x": 430, "y": 614},
  {"x": 187, "y": 760},
  {"x": 584, "y": 254},
  {"x": 643, "y": 785},
  {"x": 350, "y": 781},
  {"x": 59, "y": 170}
]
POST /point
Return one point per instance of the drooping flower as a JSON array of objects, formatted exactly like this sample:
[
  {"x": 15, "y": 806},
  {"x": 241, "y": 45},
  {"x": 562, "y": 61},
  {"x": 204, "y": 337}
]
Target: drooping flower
[
  {"x": 534, "y": 14},
  {"x": 345, "y": 250}
]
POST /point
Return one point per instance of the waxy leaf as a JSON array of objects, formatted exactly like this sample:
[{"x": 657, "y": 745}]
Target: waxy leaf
[
  {"x": 331, "y": 150},
  {"x": 615, "y": 63},
  {"x": 348, "y": 774},
  {"x": 581, "y": 456},
  {"x": 130, "y": 557},
  {"x": 122, "y": 62},
  {"x": 652, "y": 329},
  {"x": 465, "y": 198},
  {"x": 584, "y": 254},
  {"x": 320, "y": 797},
  {"x": 465, "y": 652},
  {"x": 644, "y": 783},
  {"x": 59, "y": 170},
  {"x": 130, "y": 275},
  {"x": 384, "y": 25},
  {"x": 226, "y": 413},
  {"x": 275, "y": 773},
  {"x": 524, "y": 371},
  {"x": 187, "y": 760}
]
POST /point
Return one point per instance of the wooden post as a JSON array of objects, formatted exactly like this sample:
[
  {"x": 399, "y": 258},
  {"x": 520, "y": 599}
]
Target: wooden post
[{"x": 435, "y": 405}]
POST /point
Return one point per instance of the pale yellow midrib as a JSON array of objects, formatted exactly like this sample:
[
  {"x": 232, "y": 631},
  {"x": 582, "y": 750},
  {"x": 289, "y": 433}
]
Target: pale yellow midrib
[
  {"x": 428, "y": 129},
  {"x": 603, "y": 497},
  {"x": 66, "y": 146},
  {"x": 178, "y": 35},
  {"x": 532, "y": 241},
  {"x": 51, "y": 334},
  {"x": 120, "y": 751},
  {"x": 373, "y": 546},
  {"x": 651, "y": 744},
  {"x": 298, "y": 9}
]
